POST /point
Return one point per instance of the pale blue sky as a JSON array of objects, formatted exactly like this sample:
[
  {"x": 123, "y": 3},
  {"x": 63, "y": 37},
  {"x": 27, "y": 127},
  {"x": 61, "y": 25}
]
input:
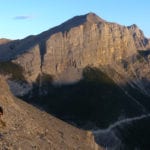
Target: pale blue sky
[{"x": 20, "y": 18}]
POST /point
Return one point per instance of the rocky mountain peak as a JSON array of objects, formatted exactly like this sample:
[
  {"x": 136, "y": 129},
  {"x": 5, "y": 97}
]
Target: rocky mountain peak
[
  {"x": 80, "y": 41},
  {"x": 141, "y": 42},
  {"x": 136, "y": 31},
  {"x": 74, "y": 22},
  {"x": 133, "y": 26},
  {"x": 92, "y": 17},
  {"x": 79, "y": 20}
]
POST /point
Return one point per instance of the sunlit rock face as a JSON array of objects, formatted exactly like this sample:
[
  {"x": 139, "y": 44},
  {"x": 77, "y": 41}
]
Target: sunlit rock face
[
  {"x": 88, "y": 40},
  {"x": 80, "y": 41}
]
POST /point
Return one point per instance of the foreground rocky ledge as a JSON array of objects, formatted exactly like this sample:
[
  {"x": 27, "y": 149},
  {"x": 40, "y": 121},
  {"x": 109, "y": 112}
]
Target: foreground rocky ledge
[{"x": 27, "y": 128}]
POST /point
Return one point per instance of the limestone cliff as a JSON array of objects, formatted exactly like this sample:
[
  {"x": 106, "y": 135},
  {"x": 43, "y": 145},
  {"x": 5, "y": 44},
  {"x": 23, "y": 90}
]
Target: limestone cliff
[
  {"x": 30, "y": 62},
  {"x": 140, "y": 41},
  {"x": 86, "y": 40},
  {"x": 80, "y": 41}
]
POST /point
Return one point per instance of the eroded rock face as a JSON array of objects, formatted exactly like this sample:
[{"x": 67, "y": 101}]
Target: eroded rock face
[
  {"x": 92, "y": 43},
  {"x": 140, "y": 41},
  {"x": 81, "y": 41},
  {"x": 30, "y": 62}
]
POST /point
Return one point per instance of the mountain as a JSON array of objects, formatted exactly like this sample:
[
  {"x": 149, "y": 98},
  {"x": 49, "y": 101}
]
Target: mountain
[
  {"x": 4, "y": 41},
  {"x": 25, "y": 127},
  {"x": 80, "y": 41},
  {"x": 87, "y": 71}
]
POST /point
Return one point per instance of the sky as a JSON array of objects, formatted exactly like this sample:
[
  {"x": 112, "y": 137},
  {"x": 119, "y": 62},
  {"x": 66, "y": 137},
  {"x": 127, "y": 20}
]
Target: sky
[{"x": 21, "y": 18}]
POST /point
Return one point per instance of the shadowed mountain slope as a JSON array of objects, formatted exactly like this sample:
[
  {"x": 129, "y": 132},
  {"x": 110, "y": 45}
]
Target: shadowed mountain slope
[{"x": 25, "y": 127}]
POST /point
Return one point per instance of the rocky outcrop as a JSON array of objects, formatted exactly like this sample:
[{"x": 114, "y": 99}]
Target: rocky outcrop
[
  {"x": 30, "y": 62},
  {"x": 140, "y": 41},
  {"x": 81, "y": 41},
  {"x": 64, "y": 51}
]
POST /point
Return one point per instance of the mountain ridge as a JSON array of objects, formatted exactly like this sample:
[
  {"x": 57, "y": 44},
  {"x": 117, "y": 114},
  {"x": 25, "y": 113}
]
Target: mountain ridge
[
  {"x": 88, "y": 70},
  {"x": 66, "y": 26},
  {"x": 81, "y": 41},
  {"x": 65, "y": 50},
  {"x": 23, "y": 126}
]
